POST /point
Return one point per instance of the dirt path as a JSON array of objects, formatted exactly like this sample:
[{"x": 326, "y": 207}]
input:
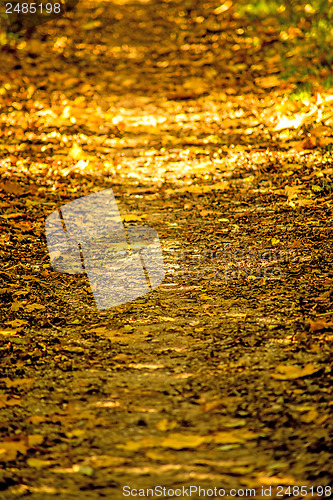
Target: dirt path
[{"x": 221, "y": 377}]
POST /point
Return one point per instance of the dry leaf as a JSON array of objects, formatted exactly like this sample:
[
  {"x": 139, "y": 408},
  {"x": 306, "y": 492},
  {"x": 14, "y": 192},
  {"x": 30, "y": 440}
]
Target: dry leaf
[
  {"x": 76, "y": 152},
  {"x": 13, "y": 216},
  {"x": 290, "y": 122},
  {"x": 34, "y": 307},
  {"x": 290, "y": 372},
  {"x": 320, "y": 324},
  {"x": 148, "y": 442},
  {"x": 132, "y": 218},
  {"x": 104, "y": 461},
  {"x": 10, "y": 448},
  {"x": 223, "y": 8},
  {"x": 310, "y": 416},
  {"x": 291, "y": 191},
  {"x": 37, "y": 463},
  {"x": 145, "y": 366},
  {"x": 11, "y": 187},
  {"x": 182, "y": 441},
  {"x": 8, "y": 332},
  {"x": 204, "y": 188},
  {"x": 35, "y": 440},
  {"x": 17, "y": 382},
  {"x": 166, "y": 425},
  {"x": 268, "y": 82},
  {"x": 36, "y": 419},
  {"x": 6, "y": 401}
]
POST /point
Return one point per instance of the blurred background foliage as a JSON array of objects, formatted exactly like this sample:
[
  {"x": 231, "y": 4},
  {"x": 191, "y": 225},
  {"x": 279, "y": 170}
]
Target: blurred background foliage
[
  {"x": 299, "y": 31},
  {"x": 305, "y": 38}
]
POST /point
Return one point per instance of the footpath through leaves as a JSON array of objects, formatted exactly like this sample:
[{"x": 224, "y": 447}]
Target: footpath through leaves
[{"x": 222, "y": 376}]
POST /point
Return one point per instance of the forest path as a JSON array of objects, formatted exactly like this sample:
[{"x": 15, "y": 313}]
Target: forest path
[{"x": 221, "y": 377}]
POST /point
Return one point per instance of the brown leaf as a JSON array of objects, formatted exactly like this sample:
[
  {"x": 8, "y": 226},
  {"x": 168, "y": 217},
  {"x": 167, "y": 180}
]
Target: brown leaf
[
  {"x": 6, "y": 401},
  {"x": 11, "y": 187},
  {"x": 10, "y": 448}
]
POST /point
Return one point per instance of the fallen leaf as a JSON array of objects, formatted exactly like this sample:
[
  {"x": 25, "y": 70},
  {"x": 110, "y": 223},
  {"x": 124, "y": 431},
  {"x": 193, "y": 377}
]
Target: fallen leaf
[
  {"x": 268, "y": 82},
  {"x": 8, "y": 332},
  {"x": 10, "y": 448},
  {"x": 13, "y": 216},
  {"x": 182, "y": 441},
  {"x": 291, "y": 372},
  {"x": 223, "y": 8},
  {"x": 36, "y": 419},
  {"x": 5, "y": 400},
  {"x": 11, "y": 187},
  {"x": 320, "y": 324},
  {"x": 148, "y": 442},
  {"x": 143, "y": 366},
  {"x": 37, "y": 463},
  {"x": 290, "y": 122},
  {"x": 292, "y": 191},
  {"x": 132, "y": 218},
  {"x": 17, "y": 382},
  {"x": 166, "y": 425},
  {"x": 76, "y": 152},
  {"x": 104, "y": 461},
  {"x": 309, "y": 417},
  {"x": 35, "y": 440},
  {"x": 34, "y": 307}
]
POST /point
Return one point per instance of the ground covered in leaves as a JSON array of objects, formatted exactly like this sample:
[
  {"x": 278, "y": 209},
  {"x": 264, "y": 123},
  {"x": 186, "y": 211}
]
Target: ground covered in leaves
[{"x": 222, "y": 376}]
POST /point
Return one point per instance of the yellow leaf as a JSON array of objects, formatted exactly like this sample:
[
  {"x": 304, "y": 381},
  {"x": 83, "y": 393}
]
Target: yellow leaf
[
  {"x": 138, "y": 445},
  {"x": 292, "y": 191},
  {"x": 76, "y": 152},
  {"x": 17, "y": 382},
  {"x": 291, "y": 372},
  {"x": 9, "y": 449},
  {"x": 223, "y": 8},
  {"x": 223, "y": 185},
  {"x": 8, "y": 332},
  {"x": 166, "y": 425},
  {"x": 106, "y": 461},
  {"x": 132, "y": 218},
  {"x": 268, "y": 82},
  {"x": 310, "y": 416},
  {"x": 6, "y": 401},
  {"x": 36, "y": 463},
  {"x": 91, "y": 25},
  {"x": 34, "y": 307},
  {"x": 35, "y": 440},
  {"x": 182, "y": 441},
  {"x": 145, "y": 366},
  {"x": 226, "y": 438}
]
